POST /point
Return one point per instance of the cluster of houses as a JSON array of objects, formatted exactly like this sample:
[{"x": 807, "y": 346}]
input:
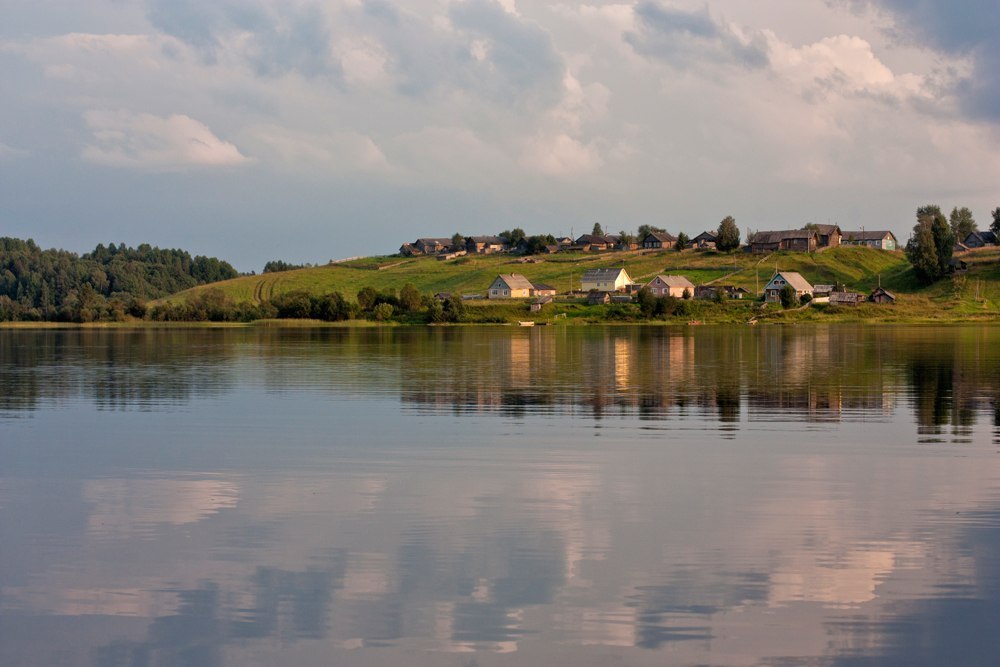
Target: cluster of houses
[
  {"x": 977, "y": 240},
  {"x": 811, "y": 239},
  {"x": 615, "y": 285}
]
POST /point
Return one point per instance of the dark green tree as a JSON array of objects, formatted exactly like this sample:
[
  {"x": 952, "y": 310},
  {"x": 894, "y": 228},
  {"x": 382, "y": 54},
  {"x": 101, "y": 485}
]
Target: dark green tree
[
  {"x": 995, "y": 227},
  {"x": 727, "y": 237},
  {"x": 787, "y": 296},
  {"x": 683, "y": 240},
  {"x": 929, "y": 248},
  {"x": 962, "y": 223},
  {"x": 366, "y": 298},
  {"x": 457, "y": 242},
  {"x": 598, "y": 230},
  {"x": 512, "y": 236},
  {"x": 409, "y": 298}
]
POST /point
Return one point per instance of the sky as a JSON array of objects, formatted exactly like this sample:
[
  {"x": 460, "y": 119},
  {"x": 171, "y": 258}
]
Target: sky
[{"x": 306, "y": 131}]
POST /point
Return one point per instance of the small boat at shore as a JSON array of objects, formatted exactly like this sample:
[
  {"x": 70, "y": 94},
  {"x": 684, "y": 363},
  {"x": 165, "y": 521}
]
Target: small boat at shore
[{"x": 526, "y": 324}]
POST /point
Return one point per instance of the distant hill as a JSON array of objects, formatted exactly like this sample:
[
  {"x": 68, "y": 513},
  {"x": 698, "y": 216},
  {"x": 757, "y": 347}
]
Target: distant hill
[
  {"x": 109, "y": 282},
  {"x": 856, "y": 267}
]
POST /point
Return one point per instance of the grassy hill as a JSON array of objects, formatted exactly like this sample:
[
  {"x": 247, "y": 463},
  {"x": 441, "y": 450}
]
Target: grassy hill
[{"x": 858, "y": 268}]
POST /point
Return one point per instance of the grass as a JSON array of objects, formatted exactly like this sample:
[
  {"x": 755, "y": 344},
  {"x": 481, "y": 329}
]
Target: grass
[{"x": 969, "y": 296}]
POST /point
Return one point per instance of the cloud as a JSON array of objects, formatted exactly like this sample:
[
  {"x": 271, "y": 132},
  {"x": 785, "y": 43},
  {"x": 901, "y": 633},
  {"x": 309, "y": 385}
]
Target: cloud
[
  {"x": 9, "y": 152},
  {"x": 145, "y": 141},
  {"x": 687, "y": 39},
  {"x": 960, "y": 29},
  {"x": 273, "y": 39}
]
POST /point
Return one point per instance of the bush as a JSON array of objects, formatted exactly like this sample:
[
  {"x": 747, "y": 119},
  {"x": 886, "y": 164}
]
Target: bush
[{"x": 383, "y": 311}]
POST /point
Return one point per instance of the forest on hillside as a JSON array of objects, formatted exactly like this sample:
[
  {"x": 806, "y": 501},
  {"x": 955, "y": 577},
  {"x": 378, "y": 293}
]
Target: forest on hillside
[{"x": 107, "y": 284}]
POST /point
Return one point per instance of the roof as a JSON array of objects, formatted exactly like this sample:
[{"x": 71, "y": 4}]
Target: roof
[
  {"x": 591, "y": 275},
  {"x": 543, "y": 286},
  {"x": 487, "y": 239},
  {"x": 984, "y": 237},
  {"x": 662, "y": 237},
  {"x": 705, "y": 235},
  {"x": 795, "y": 279},
  {"x": 868, "y": 235},
  {"x": 674, "y": 281},
  {"x": 778, "y": 237},
  {"x": 515, "y": 281},
  {"x": 882, "y": 290},
  {"x": 594, "y": 239},
  {"x": 826, "y": 230}
]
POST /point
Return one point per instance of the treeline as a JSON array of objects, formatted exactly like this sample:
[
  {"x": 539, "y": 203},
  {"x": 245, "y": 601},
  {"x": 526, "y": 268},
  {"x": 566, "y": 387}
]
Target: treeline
[
  {"x": 408, "y": 305},
  {"x": 110, "y": 283}
]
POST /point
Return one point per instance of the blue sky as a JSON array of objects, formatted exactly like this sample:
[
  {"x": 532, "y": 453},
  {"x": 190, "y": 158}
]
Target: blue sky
[{"x": 306, "y": 131}]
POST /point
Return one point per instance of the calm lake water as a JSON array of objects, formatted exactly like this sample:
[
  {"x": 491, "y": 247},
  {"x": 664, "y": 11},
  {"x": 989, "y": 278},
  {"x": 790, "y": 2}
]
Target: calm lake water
[{"x": 501, "y": 496}]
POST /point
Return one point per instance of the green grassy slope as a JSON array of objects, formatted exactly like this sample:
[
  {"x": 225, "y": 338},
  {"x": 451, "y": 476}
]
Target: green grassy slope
[{"x": 857, "y": 268}]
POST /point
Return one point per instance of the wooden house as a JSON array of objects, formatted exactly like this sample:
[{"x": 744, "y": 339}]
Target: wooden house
[
  {"x": 595, "y": 242},
  {"x": 828, "y": 236},
  {"x": 879, "y": 239},
  {"x": 704, "y": 241},
  {"x": 605, "y": 280},
  {"x": 664, "y": 285},
  {"x": 541, "y": 289},
  {"x": 882, "y": 295},
  {"x": 800, "y": 240},
  {"x": 980, "y": 239},
  {"x": 772, "y": 291},
  {"x": 485, "y": 245},
  {"x": 540, "y": 303},
  {"x": 656, "y": 240},
  {"x": 431, "y": 246},
  {"x": 846, "y": 298},
  {"x": 510, "y": 286},
  {"x": 596, "y": 298}
]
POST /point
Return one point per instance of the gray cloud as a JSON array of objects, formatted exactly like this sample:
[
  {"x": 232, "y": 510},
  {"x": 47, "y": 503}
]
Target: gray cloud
[
  {"x": 964, "y": 28},
  {"x": 685, "y": 39},
  {"x": 285, "y": 38}
]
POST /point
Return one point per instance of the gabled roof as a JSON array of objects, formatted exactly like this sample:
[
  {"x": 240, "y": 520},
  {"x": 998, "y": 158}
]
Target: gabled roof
[
  {"x": 673, "y": 281},
  {"x": 984, "y": 237},
  {"x": 795, "y": 279},
  {"x": 662, "y": 237},
  {"x": 882, "y": 290},
  {"x": 866, "y": 235},
  {"x": 708, "y": 236},
  {"x": 594, "y": 239},
  {"x": 515, "y": 281},
  {"x": 784, "y": 235},
  {"x": 544, "y": 287},
  {"x": 487, "y": 239},
  {"x": 593, "y": 275},
  {"x": 826, "y": 230}
]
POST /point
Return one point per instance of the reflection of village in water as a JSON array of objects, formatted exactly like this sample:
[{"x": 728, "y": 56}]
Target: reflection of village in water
[
  {"x": 819, "y": 375},
  {"x": 538, "y": 546}
]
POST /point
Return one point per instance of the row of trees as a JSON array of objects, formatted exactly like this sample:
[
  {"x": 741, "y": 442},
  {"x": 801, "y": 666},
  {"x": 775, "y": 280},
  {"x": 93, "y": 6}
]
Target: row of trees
[
  {"x": 111, "y": 282},
  {"x": 934, "y": 236}
]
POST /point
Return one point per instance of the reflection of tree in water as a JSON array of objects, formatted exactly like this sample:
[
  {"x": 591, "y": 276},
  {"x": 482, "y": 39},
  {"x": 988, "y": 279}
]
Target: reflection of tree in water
[{"x": 117, "y": 369}]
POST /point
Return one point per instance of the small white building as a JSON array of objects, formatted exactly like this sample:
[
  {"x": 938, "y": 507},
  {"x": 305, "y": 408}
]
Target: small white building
[
  {"x": 664, "y": 285},
  {"x": 772, "y": 291},
  {"x": 605, "y": 280},
  {"x": 510, "y": 286}
]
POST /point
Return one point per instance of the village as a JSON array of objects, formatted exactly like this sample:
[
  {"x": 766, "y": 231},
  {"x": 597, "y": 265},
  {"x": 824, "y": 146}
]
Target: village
[{"x": 613, "y": 284}]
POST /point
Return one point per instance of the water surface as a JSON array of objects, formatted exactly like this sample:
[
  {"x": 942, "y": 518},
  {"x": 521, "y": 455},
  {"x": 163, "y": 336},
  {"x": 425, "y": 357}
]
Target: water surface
[{"x": 500, "y": 496}]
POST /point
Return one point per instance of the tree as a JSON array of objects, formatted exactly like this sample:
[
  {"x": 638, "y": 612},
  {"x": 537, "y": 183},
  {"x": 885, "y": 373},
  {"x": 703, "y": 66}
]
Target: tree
[
  {"x": 787, "y": 296},
  {"x": 535, "y": 245},
  {"x": 512, "y": 236},
  {"x": 686, "y": 294},
  {"x": 366, "y": 298},
  {"x": 598, "y": 230},
  {"x": 995, "y": 227},
  {"x": 683, "y": 240},
  {"x": 457, "y": 241},
  {"x": 727, "y": 237},
  {"x": 625, "y": 239},
  {"x": 962, "y": 223},
  {"x": 646, "y": 230},
  {"x": 929, "y": 249},
  {"x": 409, "y": 298},
  {"x": 383, "y": 311}
]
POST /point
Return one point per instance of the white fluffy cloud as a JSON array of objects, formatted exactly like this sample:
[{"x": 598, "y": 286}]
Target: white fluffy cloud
[{"x": 145, "y": 141}]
